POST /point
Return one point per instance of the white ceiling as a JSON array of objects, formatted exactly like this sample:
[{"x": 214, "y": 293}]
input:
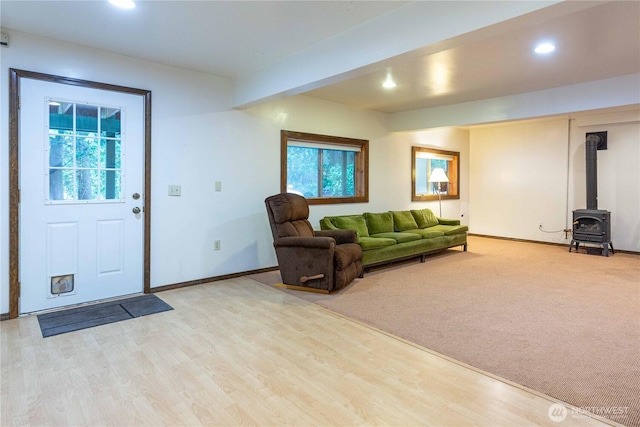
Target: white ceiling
[
  {"x": 236, "y": 39},
  {"x": 592, "y": 44},
  {"x": 225, "y": 38}
]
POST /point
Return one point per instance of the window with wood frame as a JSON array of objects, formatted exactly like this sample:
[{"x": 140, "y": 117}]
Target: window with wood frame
[{"x": 325, "y": 169}]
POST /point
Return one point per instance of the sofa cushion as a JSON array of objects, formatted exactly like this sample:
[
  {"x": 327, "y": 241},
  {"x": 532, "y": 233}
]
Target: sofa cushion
[
  {"x": 379, "y": 222},
  {"x": 369, "y": 243},
  {"x": 448, "y": 230},
  {"x": 398, "y": 237},
  {"x": 403, "y": 220},
  {"x": 352, "y": 222},
  {"x": 426, "y": 233},
  {"x": 424, "y": 218}
]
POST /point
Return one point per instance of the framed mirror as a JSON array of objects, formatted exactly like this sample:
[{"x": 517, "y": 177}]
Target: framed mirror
[{"x": 434, "y": 174}]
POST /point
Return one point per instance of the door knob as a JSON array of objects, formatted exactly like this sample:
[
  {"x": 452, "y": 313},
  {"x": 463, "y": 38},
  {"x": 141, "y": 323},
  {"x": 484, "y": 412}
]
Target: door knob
[{"x": 136, "y": 210}]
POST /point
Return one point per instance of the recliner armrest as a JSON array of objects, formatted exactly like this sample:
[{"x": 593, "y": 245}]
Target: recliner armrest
[
  {"x": 340, "y": 236},
  {"x": 304, "y": 242}
]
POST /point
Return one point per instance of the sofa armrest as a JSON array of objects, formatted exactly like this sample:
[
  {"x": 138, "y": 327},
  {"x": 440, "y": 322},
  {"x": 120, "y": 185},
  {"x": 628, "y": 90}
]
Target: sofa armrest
[
  {"x": 340, "y": 236},
  {"x": 325, "y": 224},
  {"x": 445, "y": 221},
  {"x": 305, "y": 242}
]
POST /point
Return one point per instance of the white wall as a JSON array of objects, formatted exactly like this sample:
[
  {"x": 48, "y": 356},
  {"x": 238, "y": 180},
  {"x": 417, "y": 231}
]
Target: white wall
[
  {"x": 618, "y": 173},
  {"x": 196, "y": 140},
  {"x": 188, "y": 121},
  {"x": 389, "y": 155},
  {"x": 311, "y": 115},
  {"x": 531, "y": 172},
  {"x": 398, "y": 147}
]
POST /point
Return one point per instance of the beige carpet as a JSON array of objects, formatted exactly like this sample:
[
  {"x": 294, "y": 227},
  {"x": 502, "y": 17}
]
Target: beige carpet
[{"x": 564, "y": 324}]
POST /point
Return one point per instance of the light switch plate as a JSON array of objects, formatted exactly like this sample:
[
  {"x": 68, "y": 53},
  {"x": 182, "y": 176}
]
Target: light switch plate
[
  {"x": 218, "y": 185},
  {"x": 174, "y": 190}
]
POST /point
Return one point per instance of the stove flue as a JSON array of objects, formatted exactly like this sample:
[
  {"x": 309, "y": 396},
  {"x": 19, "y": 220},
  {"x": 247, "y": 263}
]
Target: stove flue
[{"x": 592, "y": 225}]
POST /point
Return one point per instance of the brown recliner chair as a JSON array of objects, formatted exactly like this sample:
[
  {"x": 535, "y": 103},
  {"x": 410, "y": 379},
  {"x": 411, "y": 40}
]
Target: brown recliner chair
[{"x": 320, "y": 261}]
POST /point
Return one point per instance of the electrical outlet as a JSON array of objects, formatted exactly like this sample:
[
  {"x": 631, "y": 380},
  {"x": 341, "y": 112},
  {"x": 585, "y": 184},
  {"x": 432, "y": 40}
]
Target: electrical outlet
[
  {"x": 174, "y": 190},
  {"x": 216, "y": 245}
]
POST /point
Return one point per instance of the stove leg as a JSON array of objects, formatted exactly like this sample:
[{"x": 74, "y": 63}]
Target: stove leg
[
  {"x": 612, "y": 250},
  {"x": 605, "y": 248}
]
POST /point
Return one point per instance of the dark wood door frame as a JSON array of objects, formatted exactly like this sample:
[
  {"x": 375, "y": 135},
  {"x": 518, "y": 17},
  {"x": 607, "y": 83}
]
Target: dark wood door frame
[{"x": 14, "y": 190}]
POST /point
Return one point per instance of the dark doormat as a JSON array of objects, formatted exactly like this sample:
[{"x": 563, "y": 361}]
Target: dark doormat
[{"x": 74, "y": 319}]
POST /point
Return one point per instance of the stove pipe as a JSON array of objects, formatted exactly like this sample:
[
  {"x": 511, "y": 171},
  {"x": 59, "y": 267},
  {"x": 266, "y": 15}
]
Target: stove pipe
[{"x": 592, "y": 170}]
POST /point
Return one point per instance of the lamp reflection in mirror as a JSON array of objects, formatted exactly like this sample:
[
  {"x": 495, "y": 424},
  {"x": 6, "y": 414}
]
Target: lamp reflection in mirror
[{"x": 438, "y": 175}]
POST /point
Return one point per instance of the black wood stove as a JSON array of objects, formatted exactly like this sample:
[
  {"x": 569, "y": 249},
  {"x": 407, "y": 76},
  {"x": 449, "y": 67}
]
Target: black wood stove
[{"x": 592, "y": 226}]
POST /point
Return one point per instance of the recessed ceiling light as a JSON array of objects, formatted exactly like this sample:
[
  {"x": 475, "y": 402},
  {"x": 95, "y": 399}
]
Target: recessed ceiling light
[
  {"x": 123, "y": 4},
  {"x": 389, "y": 83},
  {"x": 545, "y": 47}
]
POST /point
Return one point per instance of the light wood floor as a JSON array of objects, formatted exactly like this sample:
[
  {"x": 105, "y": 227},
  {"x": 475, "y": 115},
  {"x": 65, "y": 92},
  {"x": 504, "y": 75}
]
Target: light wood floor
[{"x": 237, "y": 352}]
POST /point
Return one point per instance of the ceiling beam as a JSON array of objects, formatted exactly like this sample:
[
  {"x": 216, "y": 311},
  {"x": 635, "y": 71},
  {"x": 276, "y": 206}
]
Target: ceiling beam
[
  {"x": 606, "y": 93},
  {"x": 407, "y": 29}
]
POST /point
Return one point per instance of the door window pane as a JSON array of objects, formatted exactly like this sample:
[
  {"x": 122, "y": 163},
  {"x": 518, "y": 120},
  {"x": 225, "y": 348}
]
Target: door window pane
[
  {"x": 87, "y": 152},
  {"x": 86, "y": 119},
  {"x": 110, "y": 153},
  {"x": 110, "y": 184},
  {"x": 110, "y": 122},
  {"x": 61, "y": 184},
  {"x": 61, "y": 149},
  {"x": 88, "y": 184},
  {"x": 83, "y": 166},
  {"x": 60, "y": 116}
]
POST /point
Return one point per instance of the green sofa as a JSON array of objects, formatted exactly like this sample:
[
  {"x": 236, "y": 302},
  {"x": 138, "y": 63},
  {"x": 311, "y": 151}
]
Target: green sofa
[{"x": 397, "y": 235}]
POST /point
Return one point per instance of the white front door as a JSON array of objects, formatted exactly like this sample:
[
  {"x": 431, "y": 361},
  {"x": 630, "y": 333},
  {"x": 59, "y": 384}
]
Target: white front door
[{"x": 81, "y": 186}]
